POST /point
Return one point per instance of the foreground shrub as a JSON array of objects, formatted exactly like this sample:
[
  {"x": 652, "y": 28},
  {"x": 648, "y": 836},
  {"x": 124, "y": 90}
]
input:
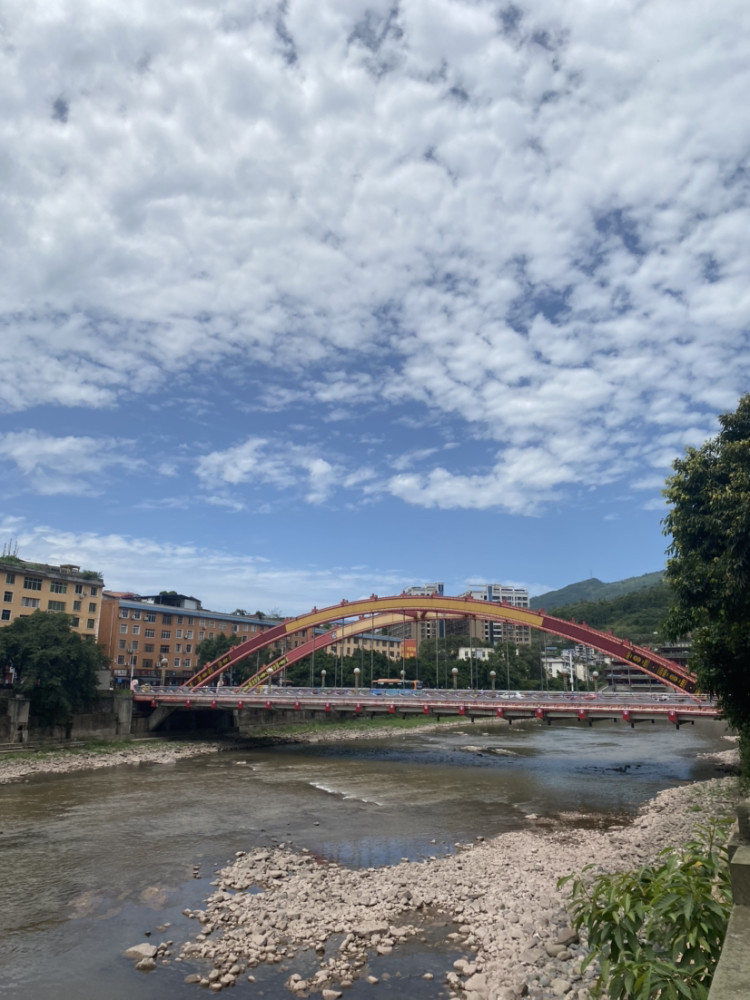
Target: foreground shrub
[{"x": 657, "y": 932}]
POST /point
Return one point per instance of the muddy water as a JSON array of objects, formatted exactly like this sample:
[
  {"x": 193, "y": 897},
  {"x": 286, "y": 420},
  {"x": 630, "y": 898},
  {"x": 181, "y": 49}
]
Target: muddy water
[{"x": 92, "y": 862}]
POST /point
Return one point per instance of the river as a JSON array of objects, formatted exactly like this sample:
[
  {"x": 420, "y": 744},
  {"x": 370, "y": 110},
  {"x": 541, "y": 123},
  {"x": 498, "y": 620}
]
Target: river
[{"x": 93, "y": 861}]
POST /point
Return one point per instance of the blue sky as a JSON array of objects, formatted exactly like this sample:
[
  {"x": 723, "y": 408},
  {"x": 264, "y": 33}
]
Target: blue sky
[{"x": 305, "y": 300}]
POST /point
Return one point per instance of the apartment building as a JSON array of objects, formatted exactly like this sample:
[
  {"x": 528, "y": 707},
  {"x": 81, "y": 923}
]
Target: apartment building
[
  {"x": 497, "y": 593},
  {"x": 66, "y": 589},
  {"x": 139, "y": 632}
]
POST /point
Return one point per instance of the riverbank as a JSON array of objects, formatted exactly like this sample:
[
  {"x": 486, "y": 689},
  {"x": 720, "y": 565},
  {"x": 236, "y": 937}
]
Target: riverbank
[
  {"x": 95, "y": 756},
  {"x": 496, "y": 900},
  {"x": 24, "y": 764}
]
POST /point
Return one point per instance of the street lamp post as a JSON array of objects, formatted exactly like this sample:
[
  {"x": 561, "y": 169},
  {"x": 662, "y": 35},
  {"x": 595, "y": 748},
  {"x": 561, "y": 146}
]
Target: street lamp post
[
  {"x": 454, "y": 671},
  {"x": 595, "y": 675},
  {"x": 163, "y": 664},
  {"x": 356, "y": 678},
  {"x": 322, "y": 678},
  {"x": 492, "y": 679},
  {"x": 403, "y": 676}
]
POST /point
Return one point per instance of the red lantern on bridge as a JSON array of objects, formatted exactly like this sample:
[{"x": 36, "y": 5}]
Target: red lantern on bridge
[
  {"x": 153, "y": 703},
  {"x": 672, "y": 715},
  {"x": 268, "y": 704},
  {"x": 539, "y": 713},
  {"x": 240, "y": 704},
  {"x": 462, "y": 709},
  {"x": 582, "y": 713},
  {"x": 391, "y": 709},
  {"x": 500, "y": 713},
  {"x": 357, "y": 709},
  {"x": 187, "y": 703},
  {"x": 626, "y": 715},
  {"x": 426, "y": 709},
  {"x": 297, "y": 706},
  {"x": 328, "y": 706},
  {"x": 213, "y": 703}
]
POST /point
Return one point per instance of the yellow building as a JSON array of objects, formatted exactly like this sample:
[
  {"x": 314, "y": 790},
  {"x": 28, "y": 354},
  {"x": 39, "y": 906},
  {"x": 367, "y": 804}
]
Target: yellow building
[{"x": 30, "y": 587}]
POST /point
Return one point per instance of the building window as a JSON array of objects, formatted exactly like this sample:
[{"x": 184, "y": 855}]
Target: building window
[
  {"x": 148, "y": 647},
  {"x": 190, "y": 619},
  {"x": 6, "y": 615},
  {"x": 201, "y": 635},
  {"x": 235, "y": 628},
  {"x": 8, "y": 596},
  {"x": 163, "y": 649},
  {"x": 149, "y": 633},
  {"x": 58, "y": 588},
  {"x": 92, "y": 608},
  {"x": 148, "y": 664},
  {"x": 134, "y": 645},
  {"x": 178, "y": 647},
  {"x": 76, "y": 605},
  {"x": 30, "y": 602},
  {"x": 75, "y": 622},
  {"x": 121, "y": 644},
  {"x": 79, "y": 588},
  {"x": 94, "y": 591},
  {"x": 89, "y": 623},
  {"x": 179, "y": 619},
  {"x": 178, "y": 632},
  {"x": 150, "y": 616},
  {"x": 123, "y": 628},
  {"x": 166, "y": 619},
  {"x": 136, "y": 629},
  {"x": 120, "y": 660},
  {"x": 202, "y": 622},
  {"x": 186, "y": 663},
  {"x": 10, "y": 577},
  {"x": 177, "y": 661},
  {"x": 136, "y": 614},
  {"x": 166, "y": 634},
  {"x": 189, "y": 648},
  {"x": 32, "y": 583},
  {"x": 124, "y": 612}
]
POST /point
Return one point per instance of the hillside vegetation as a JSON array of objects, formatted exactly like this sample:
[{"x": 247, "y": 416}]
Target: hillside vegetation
[
  {"x": 636, "y": 615},
  {"x": 594, "y": 590}
]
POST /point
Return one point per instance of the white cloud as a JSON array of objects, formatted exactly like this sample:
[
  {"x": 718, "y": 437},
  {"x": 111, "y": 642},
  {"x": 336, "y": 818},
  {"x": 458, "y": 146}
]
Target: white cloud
[
  {"x": 532, "y": 224},
  {"x": 68, "y": 465}
]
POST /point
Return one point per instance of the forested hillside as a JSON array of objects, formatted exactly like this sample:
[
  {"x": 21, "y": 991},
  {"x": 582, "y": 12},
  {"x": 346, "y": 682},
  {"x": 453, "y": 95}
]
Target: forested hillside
[
  {"x": 635, "y": 615},
  {"x": 594, "y": 590}
]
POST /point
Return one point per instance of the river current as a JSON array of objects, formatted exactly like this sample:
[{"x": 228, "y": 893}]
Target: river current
[{"x": 94, "y": 861}]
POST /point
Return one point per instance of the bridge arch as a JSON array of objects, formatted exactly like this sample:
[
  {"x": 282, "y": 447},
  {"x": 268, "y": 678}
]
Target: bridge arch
[{"x": 436, "y": 606}]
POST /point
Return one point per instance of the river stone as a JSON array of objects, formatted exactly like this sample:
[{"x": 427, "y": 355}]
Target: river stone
[
  {"x": 476, "y": 982},
  {"x": 146, "y": 965},
  {"x": 140, "y": 951}
]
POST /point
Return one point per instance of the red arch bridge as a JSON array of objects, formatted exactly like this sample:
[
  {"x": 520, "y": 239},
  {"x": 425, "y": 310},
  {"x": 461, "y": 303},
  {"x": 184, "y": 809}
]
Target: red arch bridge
[{"x": 352, "y": 618}]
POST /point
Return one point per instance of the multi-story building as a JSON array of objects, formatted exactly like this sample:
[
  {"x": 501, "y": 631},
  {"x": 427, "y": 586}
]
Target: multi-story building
[
  {"x": 66, "y": 589},
  {"x": 139, "y": 632},
  {"x": 498, "y": 593}
]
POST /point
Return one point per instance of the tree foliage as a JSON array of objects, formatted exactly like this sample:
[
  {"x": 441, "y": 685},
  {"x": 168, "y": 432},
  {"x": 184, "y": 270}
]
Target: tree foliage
[
  {"x": 658, "y": 931},
  {"x": 55, "y": 666},
  {"x": 709, "y": 564}
]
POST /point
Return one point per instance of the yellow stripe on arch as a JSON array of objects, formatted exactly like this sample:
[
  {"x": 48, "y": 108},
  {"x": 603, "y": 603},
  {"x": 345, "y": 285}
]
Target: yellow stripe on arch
[{"x": 431, "y": 605}]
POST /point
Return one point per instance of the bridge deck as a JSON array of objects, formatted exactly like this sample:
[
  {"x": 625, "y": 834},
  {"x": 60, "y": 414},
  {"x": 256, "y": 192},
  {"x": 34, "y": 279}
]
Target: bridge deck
[{"x": 544, "y": 706}]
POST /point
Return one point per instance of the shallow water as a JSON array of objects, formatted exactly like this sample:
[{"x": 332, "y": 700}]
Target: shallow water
[{"x": 94, "y": 860}]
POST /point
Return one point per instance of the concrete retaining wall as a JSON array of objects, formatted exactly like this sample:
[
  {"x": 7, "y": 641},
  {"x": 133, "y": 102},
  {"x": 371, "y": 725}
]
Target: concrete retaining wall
[
  {"x": 111, "y": 719},
  {"x": 732, "y": 977}
]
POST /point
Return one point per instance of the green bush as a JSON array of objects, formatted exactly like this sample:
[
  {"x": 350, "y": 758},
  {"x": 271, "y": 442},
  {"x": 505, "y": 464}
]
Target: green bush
[{"x": 657, "y": 932}]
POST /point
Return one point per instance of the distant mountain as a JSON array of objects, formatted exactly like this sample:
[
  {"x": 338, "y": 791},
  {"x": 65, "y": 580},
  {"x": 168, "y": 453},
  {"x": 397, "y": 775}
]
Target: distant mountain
[
  {"x": 636, "y": 615},
  {"x": 594, "y": 590}
]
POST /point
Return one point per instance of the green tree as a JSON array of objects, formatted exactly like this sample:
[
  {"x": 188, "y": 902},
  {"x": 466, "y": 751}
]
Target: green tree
[
  {"x": 55, "y": 666},
  {"x": 709, "y": 565},
  {"x": 209, "y": 650}
]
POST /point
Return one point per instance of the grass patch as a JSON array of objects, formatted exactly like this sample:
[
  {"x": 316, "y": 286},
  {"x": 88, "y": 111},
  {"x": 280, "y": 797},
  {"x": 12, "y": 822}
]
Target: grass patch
[{"x": 355, "y": 726}]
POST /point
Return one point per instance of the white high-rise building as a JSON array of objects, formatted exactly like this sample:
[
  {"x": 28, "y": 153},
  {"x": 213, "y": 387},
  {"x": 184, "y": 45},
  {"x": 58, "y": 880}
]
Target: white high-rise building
[{"x": 498, "y": 593}]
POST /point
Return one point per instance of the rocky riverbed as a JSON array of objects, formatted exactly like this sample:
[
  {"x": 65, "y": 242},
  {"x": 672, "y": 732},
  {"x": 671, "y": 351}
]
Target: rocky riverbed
[
  {"x": 67, "y": 761},
  {"x": 496, "y": 900}
]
